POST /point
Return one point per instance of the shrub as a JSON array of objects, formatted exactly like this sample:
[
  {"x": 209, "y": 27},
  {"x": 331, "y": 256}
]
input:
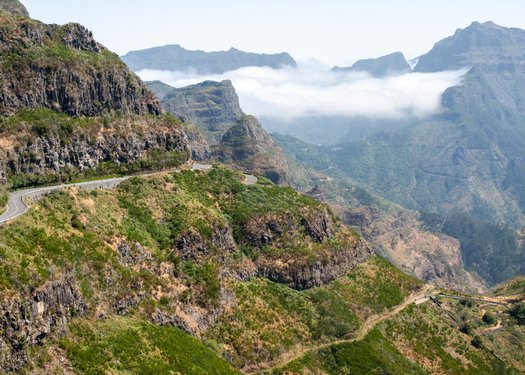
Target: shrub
[
  {"x": 518, "y": 312},
  {"x": 477, "y": 342},
  {"x": 488, "y": 318}
]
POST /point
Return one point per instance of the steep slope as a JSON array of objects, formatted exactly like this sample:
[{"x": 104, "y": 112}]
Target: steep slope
[
  {"x": 63, "y": 68},
  {"x": 174, "y": 249},
  {"x": 212, "y": 106},
  {"x": 13, "y": 6},
  {"x": 247, "y": 145},
  {"x": 466, "y": 161},
  {"x": 176, "y": 58},
  {"x": 392, "y": 231},
  {"x": 71, "y": 109},
  {"x": 223, "y": 132},
  {"x": 383, "y": 66}
]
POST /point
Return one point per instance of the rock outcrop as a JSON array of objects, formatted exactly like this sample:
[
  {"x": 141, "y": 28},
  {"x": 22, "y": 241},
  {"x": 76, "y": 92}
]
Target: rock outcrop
[
  {"x": 146, "y": 143},
  {"x": 30, "y": 320},
  {"x": 63, "y": 68},
  {"x": 211, "y": 106},
  {"x": 248, "y": 146}
]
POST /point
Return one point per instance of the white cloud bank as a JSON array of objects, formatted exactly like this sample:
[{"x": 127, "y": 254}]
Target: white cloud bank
[{"x": 293, "y": 93}]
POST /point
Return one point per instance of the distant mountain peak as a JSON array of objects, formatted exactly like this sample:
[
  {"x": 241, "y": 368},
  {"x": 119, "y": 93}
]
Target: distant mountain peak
[
  {"x": 392, "y": 64},
  {"x": 486, "y": 46},
  {"x": 176, "y": 58}
]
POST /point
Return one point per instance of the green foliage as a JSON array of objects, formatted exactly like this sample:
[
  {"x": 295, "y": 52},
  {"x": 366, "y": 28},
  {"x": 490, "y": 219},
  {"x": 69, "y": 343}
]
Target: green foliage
[
  {"x": 373, "y": 354},
  {"x": 489, "y": 318},
  {"x": 4, "y": 196},
  {"x": 517, "y": 311},
  {"x": 477, "y": 342},
  {"x": 490, "y": 249},
  {"x": 128, "y": 345}
]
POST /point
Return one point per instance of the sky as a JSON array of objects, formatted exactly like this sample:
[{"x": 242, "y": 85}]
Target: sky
[{"x": 334, "y": 32}]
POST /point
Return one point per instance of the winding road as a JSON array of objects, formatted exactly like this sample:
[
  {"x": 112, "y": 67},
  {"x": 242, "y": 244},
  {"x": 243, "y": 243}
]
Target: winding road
[{"x": 16, "y": 205}]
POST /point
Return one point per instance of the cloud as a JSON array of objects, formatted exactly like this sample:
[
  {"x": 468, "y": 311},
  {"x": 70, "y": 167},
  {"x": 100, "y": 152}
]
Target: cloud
[{"x": 292, "y": 93}]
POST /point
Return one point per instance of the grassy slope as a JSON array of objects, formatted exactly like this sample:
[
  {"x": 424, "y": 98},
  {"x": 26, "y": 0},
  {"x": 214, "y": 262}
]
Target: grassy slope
[
  {"x": 424, "y": 339},
  {"x": 264, "y": 323}
]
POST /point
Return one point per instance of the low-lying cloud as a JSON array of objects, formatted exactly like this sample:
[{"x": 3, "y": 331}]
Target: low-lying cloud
[{"x": 292, "y": 93}]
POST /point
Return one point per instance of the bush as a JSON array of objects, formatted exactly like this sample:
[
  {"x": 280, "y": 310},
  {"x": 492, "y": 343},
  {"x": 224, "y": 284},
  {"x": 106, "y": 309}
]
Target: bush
[
  {"x": 466, "y": 328},
  {"x": 518, "y": 312},
  {"x": 467, "y": 302},
  {"x": 489, "y": 319},
  {"x": 477, "y": 342}
]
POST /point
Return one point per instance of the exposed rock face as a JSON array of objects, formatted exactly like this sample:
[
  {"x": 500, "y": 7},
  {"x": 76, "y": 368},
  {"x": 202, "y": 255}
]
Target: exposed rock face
[
  {"x": 13, "y": 6},
  {"x": 176, "y": 58},
  {"x": 297, "y": 270},
  {"x": 304, "y": 274},
  {"x": 31, "y": 320},
  {"x": 435, "y": 258},
  {"x": 63, "y": 68},
  {"x": 392, "y": 64},
  {"x": 192, "y": 246},
  {"x": 129, "y": 140},
  {"x": 248, "y": 146},
  {"x": 211, "y": 106}
]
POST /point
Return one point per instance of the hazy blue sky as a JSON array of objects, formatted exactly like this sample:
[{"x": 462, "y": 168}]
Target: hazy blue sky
[{"x": 332, "y": 31}]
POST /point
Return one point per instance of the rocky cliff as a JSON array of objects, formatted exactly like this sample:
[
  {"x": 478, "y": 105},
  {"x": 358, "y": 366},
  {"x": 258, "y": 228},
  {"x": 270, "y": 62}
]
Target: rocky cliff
[
  {"x": 211, "y": 106},
  {"x": 176, "y": 58},
  {"x": 248, "y": 146},
  {"x": 46, "y": 147},
  {"x": 224, "y": 133},
  {"x": 63, "y": 68},
  {"x": 70, "y": 108}
]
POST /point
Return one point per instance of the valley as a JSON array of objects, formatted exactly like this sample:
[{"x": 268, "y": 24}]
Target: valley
[{"x": 152, "y": 228}]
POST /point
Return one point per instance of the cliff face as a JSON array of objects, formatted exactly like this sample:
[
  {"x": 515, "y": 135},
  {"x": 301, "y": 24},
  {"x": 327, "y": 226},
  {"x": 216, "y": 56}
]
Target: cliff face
[
  {"x": 224, "y": 133},
  {"x": 70, "y": 108},
  {"x": 211, "y": 106},
  {"x": 247, "y": 145},
  {"x": 56, "y": 147},
  {"x": 63, "y": 68}
]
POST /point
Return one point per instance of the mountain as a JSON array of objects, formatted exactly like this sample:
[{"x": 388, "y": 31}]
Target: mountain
[
  {"x": 186, "y": 271},
  {"x": 224, "y": 132},
  {"x": 70, "y": 109},
  {"x": 212, "y": 106},
  {"x": 394, "y": 232},
  {"x": 176, "y": 58},
  {"x": 484, "y": 46},
  {"x": 392, "y": 64},
  {"x": 13, "y": 6},
  {"x": 248, "y": 146},
  {"x": 463, "y": 165}
]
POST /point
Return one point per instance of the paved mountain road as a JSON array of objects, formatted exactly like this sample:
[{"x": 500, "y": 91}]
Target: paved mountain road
[{"x": 16, "y": 205}]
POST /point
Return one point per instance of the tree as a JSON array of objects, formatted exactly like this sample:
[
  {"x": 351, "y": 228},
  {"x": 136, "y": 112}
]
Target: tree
[
  {"x": 488, "y": 318},
  {"x": 518, "y": 312},
  {"x": 477, "y": 342}
]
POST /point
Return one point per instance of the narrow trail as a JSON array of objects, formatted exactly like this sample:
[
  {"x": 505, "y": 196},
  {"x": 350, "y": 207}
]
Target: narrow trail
[{"x": 365, "y": 328}]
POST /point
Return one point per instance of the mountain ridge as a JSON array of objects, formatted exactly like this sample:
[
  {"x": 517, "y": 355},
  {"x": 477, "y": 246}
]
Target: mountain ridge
[{"x": 173, "y": 57}]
